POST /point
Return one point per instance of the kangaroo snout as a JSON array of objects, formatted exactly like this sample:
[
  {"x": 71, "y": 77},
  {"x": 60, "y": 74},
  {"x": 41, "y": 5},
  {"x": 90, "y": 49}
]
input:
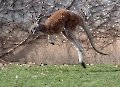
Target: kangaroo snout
[{"x": 32, "y": 31}]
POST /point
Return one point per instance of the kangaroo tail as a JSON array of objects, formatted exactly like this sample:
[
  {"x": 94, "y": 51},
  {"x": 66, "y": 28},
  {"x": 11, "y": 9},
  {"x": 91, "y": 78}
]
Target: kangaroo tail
[{"x": 86, "y": 29}]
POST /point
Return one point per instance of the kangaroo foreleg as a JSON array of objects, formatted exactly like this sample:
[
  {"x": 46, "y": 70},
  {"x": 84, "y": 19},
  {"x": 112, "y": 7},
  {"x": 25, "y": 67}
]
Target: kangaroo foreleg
[
  {"x": 71, "y": 37},
  {"x": 51, "y": 39}
]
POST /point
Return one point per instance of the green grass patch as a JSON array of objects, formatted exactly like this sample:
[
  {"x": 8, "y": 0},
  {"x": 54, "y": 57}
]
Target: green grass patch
[{"x": 16, "y": 75}]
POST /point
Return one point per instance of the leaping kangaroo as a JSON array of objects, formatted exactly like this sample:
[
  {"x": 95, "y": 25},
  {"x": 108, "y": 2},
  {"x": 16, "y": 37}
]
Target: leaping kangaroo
[{"x": 66, "y": 22}]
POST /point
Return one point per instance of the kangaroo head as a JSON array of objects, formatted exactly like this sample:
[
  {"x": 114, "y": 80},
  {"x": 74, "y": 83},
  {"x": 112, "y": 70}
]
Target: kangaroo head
[{"x": 36, "y": 28}]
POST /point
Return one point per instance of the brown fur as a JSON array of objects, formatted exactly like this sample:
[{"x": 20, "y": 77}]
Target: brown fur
[{"x": 61, "y": 19}]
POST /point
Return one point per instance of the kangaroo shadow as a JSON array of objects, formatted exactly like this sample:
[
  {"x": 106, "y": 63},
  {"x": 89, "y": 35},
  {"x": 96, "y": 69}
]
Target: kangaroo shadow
[{"x": 112, "y": 70}]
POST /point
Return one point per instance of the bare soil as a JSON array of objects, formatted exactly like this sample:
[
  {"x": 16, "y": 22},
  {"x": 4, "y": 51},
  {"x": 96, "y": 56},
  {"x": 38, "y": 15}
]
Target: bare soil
[{"x": 42, "y": 52}]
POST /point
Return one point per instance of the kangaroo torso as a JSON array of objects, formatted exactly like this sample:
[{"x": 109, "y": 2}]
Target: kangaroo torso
[{"x": 61, "y": 19}]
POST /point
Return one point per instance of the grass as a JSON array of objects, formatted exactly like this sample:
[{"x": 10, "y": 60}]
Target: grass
[{"x": 17, "y": 75}]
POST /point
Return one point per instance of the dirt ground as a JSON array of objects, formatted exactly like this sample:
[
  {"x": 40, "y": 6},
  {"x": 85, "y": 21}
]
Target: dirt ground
[{"x": 42, "y": 52}]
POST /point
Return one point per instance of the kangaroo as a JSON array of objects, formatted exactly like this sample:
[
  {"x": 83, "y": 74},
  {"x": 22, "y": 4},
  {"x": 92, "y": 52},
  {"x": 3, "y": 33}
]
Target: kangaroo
[{"x": 66, "y": 22}]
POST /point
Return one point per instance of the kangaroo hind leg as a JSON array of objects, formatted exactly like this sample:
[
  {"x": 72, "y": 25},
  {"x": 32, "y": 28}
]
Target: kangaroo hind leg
[{"x": 70, "y": 35}]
